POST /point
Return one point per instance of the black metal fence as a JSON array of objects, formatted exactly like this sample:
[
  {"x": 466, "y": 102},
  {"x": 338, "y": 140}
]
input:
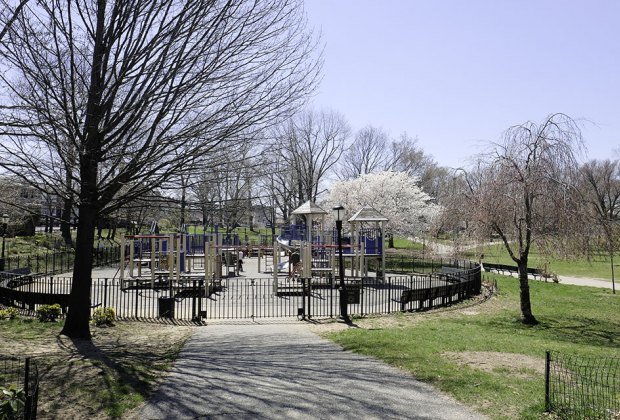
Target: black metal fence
[
  {"x": 239, "y": 297},
  {"x": 23, "y": 374},
  {"x": 404, "y": 264},
  {"x": 582, "y": 387},
  {"x": 59, "y": 261}
]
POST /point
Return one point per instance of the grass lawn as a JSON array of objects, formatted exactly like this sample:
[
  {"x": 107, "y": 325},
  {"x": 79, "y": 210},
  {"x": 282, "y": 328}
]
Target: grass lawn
[
  {"x": 599, "y": 267},
  {"x": 408, "y": 244},
  {"x": 483, "y": 355}
]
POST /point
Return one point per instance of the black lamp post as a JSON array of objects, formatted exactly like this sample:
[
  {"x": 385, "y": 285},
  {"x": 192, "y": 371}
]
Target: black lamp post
[
  {"x": 338, "y": 215},
  {"x": 4, "y": 220}
]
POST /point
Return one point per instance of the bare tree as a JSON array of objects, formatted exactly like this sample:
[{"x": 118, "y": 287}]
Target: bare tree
[
  {"x": 407, "y": 156},
  {"x": 521, "y": 191},
  {"x": 9, "y": 14},
  {"x": 367, "y": 154},
  {"x": 309, "y": 146},
  {"x": 142, "y": 90},
  {"x": 600, "y": 190}
]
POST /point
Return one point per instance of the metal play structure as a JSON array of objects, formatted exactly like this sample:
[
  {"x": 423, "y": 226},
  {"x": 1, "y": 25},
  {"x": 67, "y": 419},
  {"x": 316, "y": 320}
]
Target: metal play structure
[
  {"x": 175, "y": 261},
  {"x": 310, "y": 249}
]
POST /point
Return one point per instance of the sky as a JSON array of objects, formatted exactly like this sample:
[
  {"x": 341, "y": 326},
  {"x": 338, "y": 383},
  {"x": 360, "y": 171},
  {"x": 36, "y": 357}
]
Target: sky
[{"x": 457, "y": 74}]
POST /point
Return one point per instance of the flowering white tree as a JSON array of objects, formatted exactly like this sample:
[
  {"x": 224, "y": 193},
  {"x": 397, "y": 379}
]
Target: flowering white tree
[{"x": 396, "y": 195}]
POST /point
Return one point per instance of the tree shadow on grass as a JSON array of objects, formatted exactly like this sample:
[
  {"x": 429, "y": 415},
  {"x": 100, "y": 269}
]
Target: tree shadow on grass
[
  {"x": 582, "y": 330},
  {"x": 104, "y": 378}
]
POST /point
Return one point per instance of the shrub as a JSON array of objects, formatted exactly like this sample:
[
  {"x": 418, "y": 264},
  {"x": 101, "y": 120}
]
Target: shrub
[
  {"x": 11, "y": 400},
  {"x": 8, "y": 313},
  {"x": 48, "y": 313},
  {"x": 104, "y": 316}
]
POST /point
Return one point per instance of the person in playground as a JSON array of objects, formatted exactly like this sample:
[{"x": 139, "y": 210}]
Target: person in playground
[{"x": 240, "y": 262}]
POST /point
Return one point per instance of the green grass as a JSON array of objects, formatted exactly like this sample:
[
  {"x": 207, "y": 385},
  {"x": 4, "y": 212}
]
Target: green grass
[
  {"x": 402, "y": 243},
  {"x": 574, "y": 320},
  {"x": 28, "y": 328},
  {"x": 598, "y": 267}
]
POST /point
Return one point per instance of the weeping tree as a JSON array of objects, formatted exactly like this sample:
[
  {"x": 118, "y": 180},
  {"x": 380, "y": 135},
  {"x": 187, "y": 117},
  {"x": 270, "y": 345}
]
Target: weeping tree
[
  {"x": 138, "y": 92},
  {"x": 523, "y": 190}
]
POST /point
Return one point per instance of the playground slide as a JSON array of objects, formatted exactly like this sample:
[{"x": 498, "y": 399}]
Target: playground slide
[{"x": 285, "y": 244}]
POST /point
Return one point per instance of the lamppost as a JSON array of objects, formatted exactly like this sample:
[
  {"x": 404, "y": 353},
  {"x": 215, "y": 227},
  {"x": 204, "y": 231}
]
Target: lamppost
[
  {"x": 338, "y": 215},
  {"x": 4, "y": 220}
]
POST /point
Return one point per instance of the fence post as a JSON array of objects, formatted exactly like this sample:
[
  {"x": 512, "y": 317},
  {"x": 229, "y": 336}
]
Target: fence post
[
  {"x": 362, "y": 301},
  {"x": 105, "y": 292},
  {"x": 201, "y": 285},
  {"x": 137, "y": 303},
  {"x": 309, "y": 292},
  {"x": 547, "y": 380},
  {"x": 194, "y": 300},
  {"x": 28, "y": 402},
  {"x": 303, "y": 298}
]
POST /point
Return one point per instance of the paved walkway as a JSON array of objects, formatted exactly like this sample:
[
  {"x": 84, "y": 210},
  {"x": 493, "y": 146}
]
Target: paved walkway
[
  {"x": 284, "y": 371},
  {"x": 580, "y": 281}
]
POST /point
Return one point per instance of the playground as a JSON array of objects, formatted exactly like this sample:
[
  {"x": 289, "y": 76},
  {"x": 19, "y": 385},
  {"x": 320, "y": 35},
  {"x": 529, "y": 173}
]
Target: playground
[{"x": 209, "y": 276}]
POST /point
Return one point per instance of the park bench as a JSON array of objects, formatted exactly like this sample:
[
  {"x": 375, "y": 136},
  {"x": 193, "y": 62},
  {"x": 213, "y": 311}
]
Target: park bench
[
  {"x": 292, "y": 291},
  {"x": 413, "y": 295},
  {"x": 512, "y": 269},
  {"x": 501, "y": 268}
]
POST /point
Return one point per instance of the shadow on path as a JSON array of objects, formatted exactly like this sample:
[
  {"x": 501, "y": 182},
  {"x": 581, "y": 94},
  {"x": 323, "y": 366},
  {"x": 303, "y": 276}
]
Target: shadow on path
[{"x": 285, "y": 371}]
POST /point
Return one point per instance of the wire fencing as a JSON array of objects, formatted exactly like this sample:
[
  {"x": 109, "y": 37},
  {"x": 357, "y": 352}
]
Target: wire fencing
[
  {"x": 20, "y": 379},
  {"x": 578, "y": 387}
]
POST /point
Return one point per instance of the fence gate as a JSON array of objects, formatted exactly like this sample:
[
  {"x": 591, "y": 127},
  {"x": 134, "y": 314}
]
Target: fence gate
[{"x": 255, "y": 298}]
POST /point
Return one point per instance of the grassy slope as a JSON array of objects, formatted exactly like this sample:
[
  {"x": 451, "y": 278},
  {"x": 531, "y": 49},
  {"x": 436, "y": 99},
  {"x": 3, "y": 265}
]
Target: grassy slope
[
  {"x": 575, "y": 320},
  {"x": 598, "y": 267}
]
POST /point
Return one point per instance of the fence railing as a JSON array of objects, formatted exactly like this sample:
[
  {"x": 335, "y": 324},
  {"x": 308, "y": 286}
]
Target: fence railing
[
  {"x": 403, "y": 264},
  {"x": 58, "y": 261},
  {"x": 22, "y": 373},
  {"x": 240, "y": 297},
  {"x": 582, "y": 387}
]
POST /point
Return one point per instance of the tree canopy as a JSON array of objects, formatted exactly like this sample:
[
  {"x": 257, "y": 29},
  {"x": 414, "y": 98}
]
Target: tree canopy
[
  {"x": 106, "y": 101},
  {"x": 396, "y": 195}
]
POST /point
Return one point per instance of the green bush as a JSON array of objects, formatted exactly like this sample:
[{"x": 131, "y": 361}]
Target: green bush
[
  {"x": 11, "y": 400},
  {"x": 8, "y": 313},
  {"x": 48, "y": 313},
  {"x": 104, "y": 316}
]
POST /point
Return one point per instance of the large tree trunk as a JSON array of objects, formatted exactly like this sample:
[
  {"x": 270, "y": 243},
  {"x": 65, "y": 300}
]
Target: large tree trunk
[
  {"x": 76, "y": 324},
  {"x": 524, "y": 292}
]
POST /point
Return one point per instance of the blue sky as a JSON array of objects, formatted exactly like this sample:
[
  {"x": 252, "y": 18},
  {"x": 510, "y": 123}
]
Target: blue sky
[{"x": 456, "y": 74}]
